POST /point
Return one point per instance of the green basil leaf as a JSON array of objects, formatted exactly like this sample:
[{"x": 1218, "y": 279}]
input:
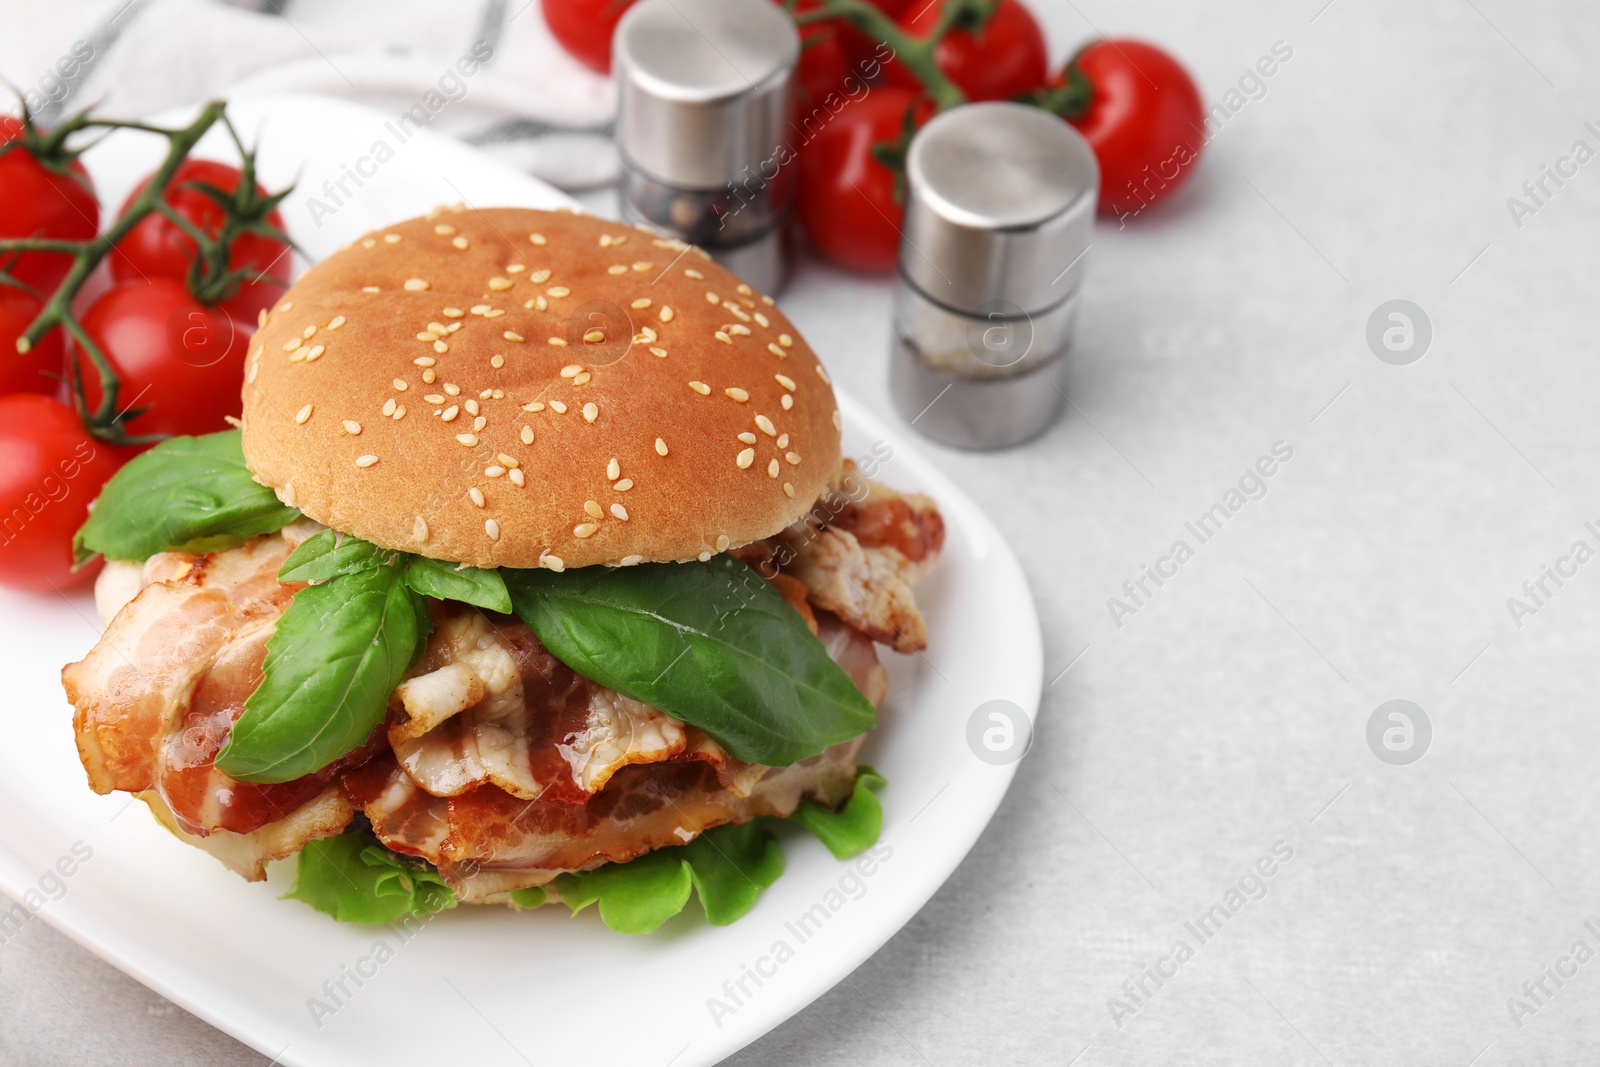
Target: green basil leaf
[
  {"x": 711, "y": 644},
  {"x": 356, "y": 881},
  {"x": 470, "y": 585},
  {"x": 190, "y": 493},
  {"x": 339, "y": 652},
  {"x": 730, "y": 866},
  {"x": 855, "y": 827},
  {"x": 634, "y": 897},
  {"x": 326, "y": 555}
]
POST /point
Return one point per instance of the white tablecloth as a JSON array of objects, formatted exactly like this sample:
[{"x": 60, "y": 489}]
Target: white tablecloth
[{"x": 1226, "y": 717}]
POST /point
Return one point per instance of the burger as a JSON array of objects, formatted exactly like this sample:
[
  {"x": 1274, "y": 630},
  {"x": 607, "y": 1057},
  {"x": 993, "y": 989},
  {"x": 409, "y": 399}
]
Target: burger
[{"x": 532, "y": 573}]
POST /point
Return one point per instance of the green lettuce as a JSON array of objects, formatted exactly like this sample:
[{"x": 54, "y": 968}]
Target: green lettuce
[{"x": 356, "y": 880}]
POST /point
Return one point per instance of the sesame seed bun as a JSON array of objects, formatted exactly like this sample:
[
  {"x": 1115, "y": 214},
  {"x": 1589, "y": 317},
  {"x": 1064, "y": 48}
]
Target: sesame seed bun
[{"x": 522, "y": 388}]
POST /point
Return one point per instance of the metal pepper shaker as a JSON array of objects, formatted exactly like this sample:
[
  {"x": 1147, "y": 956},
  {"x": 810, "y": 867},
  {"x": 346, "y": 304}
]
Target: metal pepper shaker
[
  {"x": 1000, "y": 204},
  {"x": 704, "y": 93}
]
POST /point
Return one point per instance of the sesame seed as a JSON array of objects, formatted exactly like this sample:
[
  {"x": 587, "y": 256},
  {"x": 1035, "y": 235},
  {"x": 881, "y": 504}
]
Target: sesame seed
[
  {"x": 428, "y": 376},
  {"x": 764, "y": 424},
  {"x": 479, "y": 309},
  {"x": 785, "y": 381},
  {"x": 722, "y": 542},
  {"x": 737, "y": 394},
  {"x": 624, "y": 485},
  {"x": 351, "y": 427},
  {"x": 558, "y": 291},
  {"x": 742, "y": 317},
  {"x": 468, "y": 439},
  {"x": 400, "y": 385},
  {"x": 291, "y": 345},
  {"x": 475, "y": 495},
  {"x": 700, "y": 387},
  {"x": 788, "y": 490},
  {"x": 498, "y": 284},
  {"x": 415, "y": 285},
  {"x": 495, "y": 471},
  {"x": 584, "y": 529},
  {"x": 641, "y": 303},
  {"x": 617, "y": 268},
  {"x": 723, "y": 337},
  {"x": 370, "y": 289},
  {"x": 540, "y": 276},
  {"x": 459, "y": 242},
  {"x": 792, "y": 457},
  {"x": 533, "y": 405},
  {"x": 366, "y": 461},
  {"x": 491, "y": 528},
  {"x": 424, "y": 361},
  {"x": 743, "y": 289},
  {"x": 444, "y": 229},
  {"x": 388, "y": 407},
  {"x": 666, "y": 314},
  {"x": 704, "y": 556},
  {"x": 785, "y": 340},
  {"x": 593, "y": 509},
  {"x": 582, "y": 379},
  {"x": 591, "y": 411},
  {"x": 471, "y": 406},
  {"x": 315, "y": 353},
  {"x": 558, "y": 407},
  {"x": 772, "y": 469},
  {"x": 823, "y": 374},
  {"x": 767, "y": 300},
  {"x": 527, "y": 435},
  {"x": 629, "y": 561},
  {"x": 427, "y": 335},
  {"x": 559, "y": 342},
  {"x": 338, "y": 321},
  {"x": 516, "y": 268},
  {"x": 660, "y": 353},
  {"x": 713, "y": 298},
  {"x": 595, "y": 336},
  {"x": 661, "y": 447},
  {"x": 516, "y": 477},
  {"x": 541, "y": 303},
  {"x": 399, "y": 412},
  {"x": 452, "y": 388},
  {"x": 620, "y": 512},
  {"x": 309, "y": 332},
  {"x": 449, "y": 413},
  {"x": 745, "y": 458},
  {"x": 739, "y": 330},
  {"x": 479, "y": 423},
  {"x": 507, "y": 461},
  {"x": 552, "y": 562},
  {"x": 302, "y": 415},
  {"x": 453, "y": 313},
  {"x": 513, "y": 336},
  {"x": 419, "y": 529},
  {"x": 762, "y": 320},
  {"x": 838, "y": 423},
  {"x": 452, "y": 328},
  {"x": 647, "y": 336},
  {"x": 690, "y": 272},
  {"x": 572, "y": 370},
  {"x": 775, "y": 350},
  {"x": 440, "y": 347},
  {"x": 369, "y": 243},
  {"x": 299, "y": 354},
  {"x": 783, "y": 440},
  {"x": 434, "y": 398},
  {"x": 497, "y": 361},
  {"x": 536, "y": 238}
]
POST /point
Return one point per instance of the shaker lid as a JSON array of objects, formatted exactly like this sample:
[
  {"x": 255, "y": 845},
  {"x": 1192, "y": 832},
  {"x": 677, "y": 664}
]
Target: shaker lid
[
  {"x": 704, "y": 87},
  {"x": 1000, "y": 208}
]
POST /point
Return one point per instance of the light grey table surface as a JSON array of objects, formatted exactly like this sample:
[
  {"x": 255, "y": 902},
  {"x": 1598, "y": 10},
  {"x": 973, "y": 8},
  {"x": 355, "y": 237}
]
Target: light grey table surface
[{"x": 1229, "y": 713}]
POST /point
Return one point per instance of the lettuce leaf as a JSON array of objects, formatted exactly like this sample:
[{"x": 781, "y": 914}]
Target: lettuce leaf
[{"x": 356, "y": 880}]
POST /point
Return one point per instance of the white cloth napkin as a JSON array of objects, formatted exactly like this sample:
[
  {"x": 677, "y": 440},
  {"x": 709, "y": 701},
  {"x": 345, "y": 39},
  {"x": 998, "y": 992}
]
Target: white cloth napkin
[{"x": 524, "y": 98}]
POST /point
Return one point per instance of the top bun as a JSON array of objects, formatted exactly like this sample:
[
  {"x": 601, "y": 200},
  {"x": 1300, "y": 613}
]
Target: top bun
[{"x": 522, "y": 388}]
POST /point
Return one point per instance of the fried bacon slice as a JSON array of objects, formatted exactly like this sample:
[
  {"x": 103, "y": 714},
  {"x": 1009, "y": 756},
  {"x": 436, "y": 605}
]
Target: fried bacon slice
[{"x": 497, "y": 762}]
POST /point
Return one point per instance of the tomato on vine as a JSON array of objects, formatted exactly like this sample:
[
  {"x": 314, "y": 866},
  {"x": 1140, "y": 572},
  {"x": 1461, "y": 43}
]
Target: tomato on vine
[
  {"x": 50, "y": 469},
  {"x": 999, "y": 58},
  {"x": 584, "y": 28},
  {"x": 39, "y": 198},
  {"x": 38, "y": 370}
]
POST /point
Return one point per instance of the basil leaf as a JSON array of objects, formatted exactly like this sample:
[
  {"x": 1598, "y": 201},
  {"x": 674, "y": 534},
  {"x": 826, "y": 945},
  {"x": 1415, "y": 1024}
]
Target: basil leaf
[
  {"x": 338, "y": 653},
  {"x": 710, "y": 644},
  {"x": 326, "y": 555},
  {"x": 356, "y": 881},
  {"x": 186, "y": 493},
  {"x": 470, "y": 585},
  {"x": 855, "y": 827}
]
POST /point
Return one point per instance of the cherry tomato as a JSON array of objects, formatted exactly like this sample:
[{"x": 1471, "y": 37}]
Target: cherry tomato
[
  {"x": 155, "y": 248},
  {"x": 50, "y": 469},
  {"x": 1144, "y": 121},
  {"x": 28, "y": 372},
  {"x": 824, "y": 63},
  {"x": 847, "y": 196},
  {"x": 1005, "y": 58},
  {"x": 36, "y": 201},
  {"x": 181, "y": 361},
  {"x": 584, "y": 28}
]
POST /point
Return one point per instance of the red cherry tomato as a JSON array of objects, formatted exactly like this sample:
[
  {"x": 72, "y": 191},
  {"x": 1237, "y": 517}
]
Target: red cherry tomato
[
  {"x": 1144, "y": 121},
  {"x": 28, "y": 372},
  {"x": 181, "y": 361},
  {"x": 846, "y": 199},
  {"x": 50, "y": 469},
  {"x": 584, "y": 28},
  {"x": 824, "y": 62},
  {"x": 1004, "y": 59},
  {"x": 155, "y": 248},
  {"x": 36, "y": 201}
]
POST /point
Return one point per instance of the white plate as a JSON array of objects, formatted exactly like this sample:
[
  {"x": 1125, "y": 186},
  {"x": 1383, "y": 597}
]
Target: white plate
[{"x": 489, "y": 984}]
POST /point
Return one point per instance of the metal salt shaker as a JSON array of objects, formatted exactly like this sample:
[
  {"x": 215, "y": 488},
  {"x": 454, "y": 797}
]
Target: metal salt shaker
[
  {"x": 704, "y": 92},
  {"x": 1000, "y": 206}
]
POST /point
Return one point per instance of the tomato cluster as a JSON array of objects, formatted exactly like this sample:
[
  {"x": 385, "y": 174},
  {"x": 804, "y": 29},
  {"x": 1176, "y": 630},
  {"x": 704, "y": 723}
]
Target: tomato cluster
[
  {"x": 861, "y": 99},
  {"x": 179, "y": 361}
]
